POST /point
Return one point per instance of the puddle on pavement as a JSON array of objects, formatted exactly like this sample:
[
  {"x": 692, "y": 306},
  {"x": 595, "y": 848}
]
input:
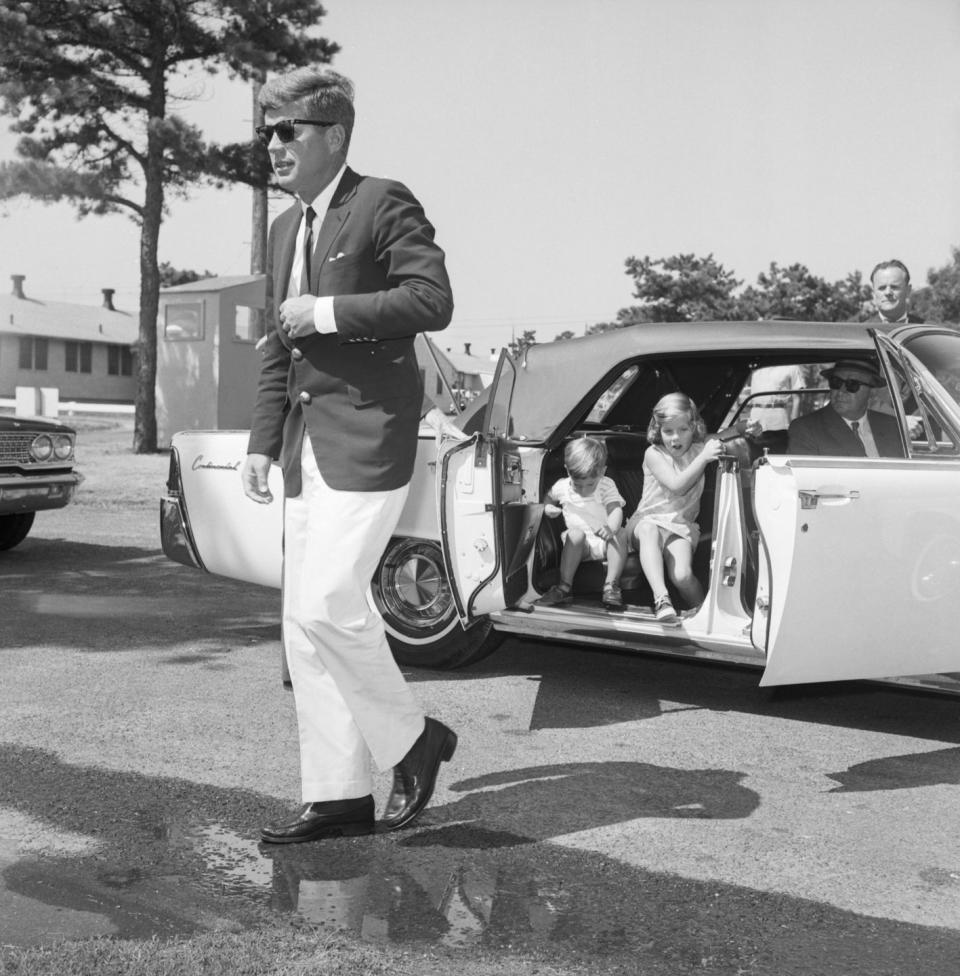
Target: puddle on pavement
[{"x": 458, "y": 885}]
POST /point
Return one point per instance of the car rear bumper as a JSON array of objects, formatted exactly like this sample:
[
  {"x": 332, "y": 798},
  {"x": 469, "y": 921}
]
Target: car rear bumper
[
  {"x": 175, "y": 535},
  {"x": 34, "y": 494}
]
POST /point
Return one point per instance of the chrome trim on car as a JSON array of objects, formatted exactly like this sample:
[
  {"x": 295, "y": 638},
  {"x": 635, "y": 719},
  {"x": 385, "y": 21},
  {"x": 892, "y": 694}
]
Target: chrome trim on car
[
  {"x": 38, "y": 492},
  {"x": 175, "y": 535}
]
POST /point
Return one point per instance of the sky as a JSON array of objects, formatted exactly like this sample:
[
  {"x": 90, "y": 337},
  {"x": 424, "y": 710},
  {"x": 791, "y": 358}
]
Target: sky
[{"x": 550, "y": 140}]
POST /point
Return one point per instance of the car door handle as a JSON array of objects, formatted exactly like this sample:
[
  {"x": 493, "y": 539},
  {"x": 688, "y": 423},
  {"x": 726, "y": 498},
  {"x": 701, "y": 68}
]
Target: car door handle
[{"x": 809, "y": 499}]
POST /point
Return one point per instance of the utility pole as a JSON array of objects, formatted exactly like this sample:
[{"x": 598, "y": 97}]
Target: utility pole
[{"x": 258, "y": 231}]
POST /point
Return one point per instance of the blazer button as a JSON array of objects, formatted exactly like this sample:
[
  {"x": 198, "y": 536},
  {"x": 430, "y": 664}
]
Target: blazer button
[
  {"x": 296, "y": 353},
  {"x": 304, "y": 397}
]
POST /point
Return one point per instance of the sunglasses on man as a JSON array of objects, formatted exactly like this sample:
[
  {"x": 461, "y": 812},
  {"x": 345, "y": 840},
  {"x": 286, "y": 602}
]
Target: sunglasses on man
[
  {"x": 840, "y": 382},
  {"x": 285, "y": 129}
]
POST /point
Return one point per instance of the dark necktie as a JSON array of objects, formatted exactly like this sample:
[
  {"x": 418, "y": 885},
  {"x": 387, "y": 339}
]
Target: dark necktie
[
  {"x": 855, "y": 427},
  {"x": 307, "y": 250}
]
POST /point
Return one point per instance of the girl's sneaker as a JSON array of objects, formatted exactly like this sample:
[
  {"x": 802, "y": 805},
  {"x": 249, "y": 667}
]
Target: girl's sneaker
[{"x": 663, "y": 610}]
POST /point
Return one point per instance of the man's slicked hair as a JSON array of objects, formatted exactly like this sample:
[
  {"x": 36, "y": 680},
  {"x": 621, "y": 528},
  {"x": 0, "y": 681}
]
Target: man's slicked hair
[
  {"x": 892, "y": 263},
  {"x": 327, "y": 94}
]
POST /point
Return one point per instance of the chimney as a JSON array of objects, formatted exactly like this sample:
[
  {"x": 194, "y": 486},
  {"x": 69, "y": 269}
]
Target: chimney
[
  {"x": 108, "y": 298},
  {"x": 466, "y": 348},
  {"x": 18, "y": 285}
]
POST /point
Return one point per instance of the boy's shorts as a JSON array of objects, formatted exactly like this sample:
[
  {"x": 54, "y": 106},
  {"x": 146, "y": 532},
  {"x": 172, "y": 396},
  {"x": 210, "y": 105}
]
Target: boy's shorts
[{"x": 596, "y": 547}]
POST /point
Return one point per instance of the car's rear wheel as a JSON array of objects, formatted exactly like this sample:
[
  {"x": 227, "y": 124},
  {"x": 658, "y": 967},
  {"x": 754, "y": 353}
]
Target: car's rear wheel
[
  {"x": 14, "y": 528},
  {"x": 412, "y": 594}
]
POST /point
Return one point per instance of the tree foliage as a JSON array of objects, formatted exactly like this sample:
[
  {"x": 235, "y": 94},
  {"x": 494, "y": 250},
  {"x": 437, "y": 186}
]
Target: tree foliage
[
  {"x": 92, "y": 87},
  {"x": 939, "y": 300},
  {"x": 792, "y": 292},
  {"x": 171, "y": 276},
  {"x": 517, "y": 347},
  {"x": 680, "y": 288},
  {"x": 687, "y": 288}
]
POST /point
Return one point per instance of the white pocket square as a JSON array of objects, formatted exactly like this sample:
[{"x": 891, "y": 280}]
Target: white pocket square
[{"x": 337, "y": 256}]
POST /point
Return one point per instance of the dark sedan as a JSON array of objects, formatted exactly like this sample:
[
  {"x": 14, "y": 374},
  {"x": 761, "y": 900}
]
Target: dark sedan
[{"x": 36, "y": 473}]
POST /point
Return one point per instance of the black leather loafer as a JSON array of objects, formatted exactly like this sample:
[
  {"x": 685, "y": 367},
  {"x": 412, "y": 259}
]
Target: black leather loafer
[
  {"x": 415, "y": 776},
  {"x": 330, "y": 818}
]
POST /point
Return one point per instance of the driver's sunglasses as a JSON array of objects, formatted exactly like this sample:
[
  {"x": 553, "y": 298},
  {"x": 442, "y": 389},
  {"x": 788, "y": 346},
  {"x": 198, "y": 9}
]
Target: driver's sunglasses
[
  {"x": 285, "y": 129},
  {"x": 851, "y": 386}
]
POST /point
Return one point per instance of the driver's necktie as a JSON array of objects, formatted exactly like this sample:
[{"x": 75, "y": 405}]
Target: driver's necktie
[{"x": 855, "y": 427}]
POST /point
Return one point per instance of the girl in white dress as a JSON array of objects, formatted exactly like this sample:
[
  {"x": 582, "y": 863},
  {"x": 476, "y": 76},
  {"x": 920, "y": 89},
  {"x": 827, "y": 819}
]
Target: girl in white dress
[{"x": 664, "y": 527}]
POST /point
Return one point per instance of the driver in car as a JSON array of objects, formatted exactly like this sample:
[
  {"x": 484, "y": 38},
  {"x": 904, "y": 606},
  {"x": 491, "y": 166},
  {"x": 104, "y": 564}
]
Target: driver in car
[{"x": 845, "y": 427}]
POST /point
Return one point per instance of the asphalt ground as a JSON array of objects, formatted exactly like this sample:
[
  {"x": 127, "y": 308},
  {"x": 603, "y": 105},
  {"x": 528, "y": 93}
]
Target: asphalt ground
[{"x": 603, "y": 811}]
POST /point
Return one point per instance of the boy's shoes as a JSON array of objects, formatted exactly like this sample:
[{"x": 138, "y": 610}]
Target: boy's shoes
[
  {"x": 612, "y": 597},
  {"x": 663, "y": 610},
  {"x": 556, "y": 596}
]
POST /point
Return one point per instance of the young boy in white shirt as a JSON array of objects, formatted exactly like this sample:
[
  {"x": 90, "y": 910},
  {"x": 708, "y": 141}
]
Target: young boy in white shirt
[{"x": 592, "y": 508}]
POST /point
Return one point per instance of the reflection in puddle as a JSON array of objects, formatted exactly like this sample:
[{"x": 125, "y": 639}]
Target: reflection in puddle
[
  {"x": 383, "y": 891},
  {"x": 458, "y": 886}
]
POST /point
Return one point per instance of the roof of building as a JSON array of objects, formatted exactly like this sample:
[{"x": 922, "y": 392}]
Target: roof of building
[
  {"x": 65, "y": 320},
  {"x": 219, "y": 283},
  {"x": 471, "y": 365}
]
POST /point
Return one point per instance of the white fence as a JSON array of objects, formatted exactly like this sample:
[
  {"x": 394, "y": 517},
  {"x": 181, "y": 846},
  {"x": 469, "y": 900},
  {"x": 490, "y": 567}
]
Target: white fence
[{"x": 32, "y": 401}]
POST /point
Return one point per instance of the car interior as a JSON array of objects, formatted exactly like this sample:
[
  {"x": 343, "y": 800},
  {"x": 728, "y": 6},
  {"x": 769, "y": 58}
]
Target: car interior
[{"x": 726, "y": 390}]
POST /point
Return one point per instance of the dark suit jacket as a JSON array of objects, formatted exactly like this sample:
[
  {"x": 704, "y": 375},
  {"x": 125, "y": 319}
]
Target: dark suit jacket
[
  {"x": 875, "y": 319},
  {"x": 825, "y": 432},
  {"x": 357, "y": 392}
]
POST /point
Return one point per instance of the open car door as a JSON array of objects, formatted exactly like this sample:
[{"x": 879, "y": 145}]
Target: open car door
[
  {"x": 864, "y": 553},
  {"x": 486, "y": 529}
]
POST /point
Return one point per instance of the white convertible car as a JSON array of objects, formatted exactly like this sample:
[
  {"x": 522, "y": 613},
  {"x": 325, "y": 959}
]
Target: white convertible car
[{"x": 815, "y": 568}]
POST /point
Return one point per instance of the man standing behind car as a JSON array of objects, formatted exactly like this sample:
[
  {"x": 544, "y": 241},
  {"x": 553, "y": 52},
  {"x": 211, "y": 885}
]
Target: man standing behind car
[
  {"x": 353, "y": 274},
  {"x": 890, "y": 281},
  {"x": 845, "y": 427}
]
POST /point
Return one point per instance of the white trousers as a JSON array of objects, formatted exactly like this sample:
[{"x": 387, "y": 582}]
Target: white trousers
[{"x": 352, "y": 702}]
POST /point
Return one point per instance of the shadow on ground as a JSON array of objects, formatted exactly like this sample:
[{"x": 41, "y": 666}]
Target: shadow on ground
[
  {"x": 167, "y": 857},
  {"x": 96, "y": 597}
]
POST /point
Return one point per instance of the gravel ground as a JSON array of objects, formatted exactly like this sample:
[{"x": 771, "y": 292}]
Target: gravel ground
[{"x": 602, "y": 813}]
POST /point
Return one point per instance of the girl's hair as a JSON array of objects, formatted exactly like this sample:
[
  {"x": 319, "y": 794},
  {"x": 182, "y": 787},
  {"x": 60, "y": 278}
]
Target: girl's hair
[
  {"x": 675, "y": 405},
  {"x": 585, "y": 457}
]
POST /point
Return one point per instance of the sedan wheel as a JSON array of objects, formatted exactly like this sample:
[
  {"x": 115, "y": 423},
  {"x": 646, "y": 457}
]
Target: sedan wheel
[{"x": 411, "y": 592}]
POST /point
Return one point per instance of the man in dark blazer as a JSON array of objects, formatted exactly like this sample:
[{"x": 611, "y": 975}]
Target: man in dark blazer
[
  {"x": 890, "y": 281},
  {"x": 353, "y": 274},
  {"x": 845, "y": 427}
]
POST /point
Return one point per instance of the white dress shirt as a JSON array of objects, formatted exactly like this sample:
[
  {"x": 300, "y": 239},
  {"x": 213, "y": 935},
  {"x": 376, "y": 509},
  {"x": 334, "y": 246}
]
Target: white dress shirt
[{"x": 323, "y": 320}]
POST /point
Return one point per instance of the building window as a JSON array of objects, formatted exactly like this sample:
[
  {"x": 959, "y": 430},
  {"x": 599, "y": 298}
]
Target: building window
[
  {"x": 249, "y": 325},
  {"x": 119, "y": 361},
  {"x": 78, "y": 357},
  {"x": 33, "y": 352},
  {"x": 183, "y": 321}
]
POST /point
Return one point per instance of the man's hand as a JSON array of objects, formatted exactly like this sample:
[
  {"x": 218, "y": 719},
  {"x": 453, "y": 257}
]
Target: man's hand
[
  {"x": 253, "y": 474},
  {"x": 296, "y": 316}
]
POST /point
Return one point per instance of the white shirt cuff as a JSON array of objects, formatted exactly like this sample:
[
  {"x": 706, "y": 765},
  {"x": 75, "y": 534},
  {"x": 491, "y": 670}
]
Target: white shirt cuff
[{"x": 323, "y": 320}]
